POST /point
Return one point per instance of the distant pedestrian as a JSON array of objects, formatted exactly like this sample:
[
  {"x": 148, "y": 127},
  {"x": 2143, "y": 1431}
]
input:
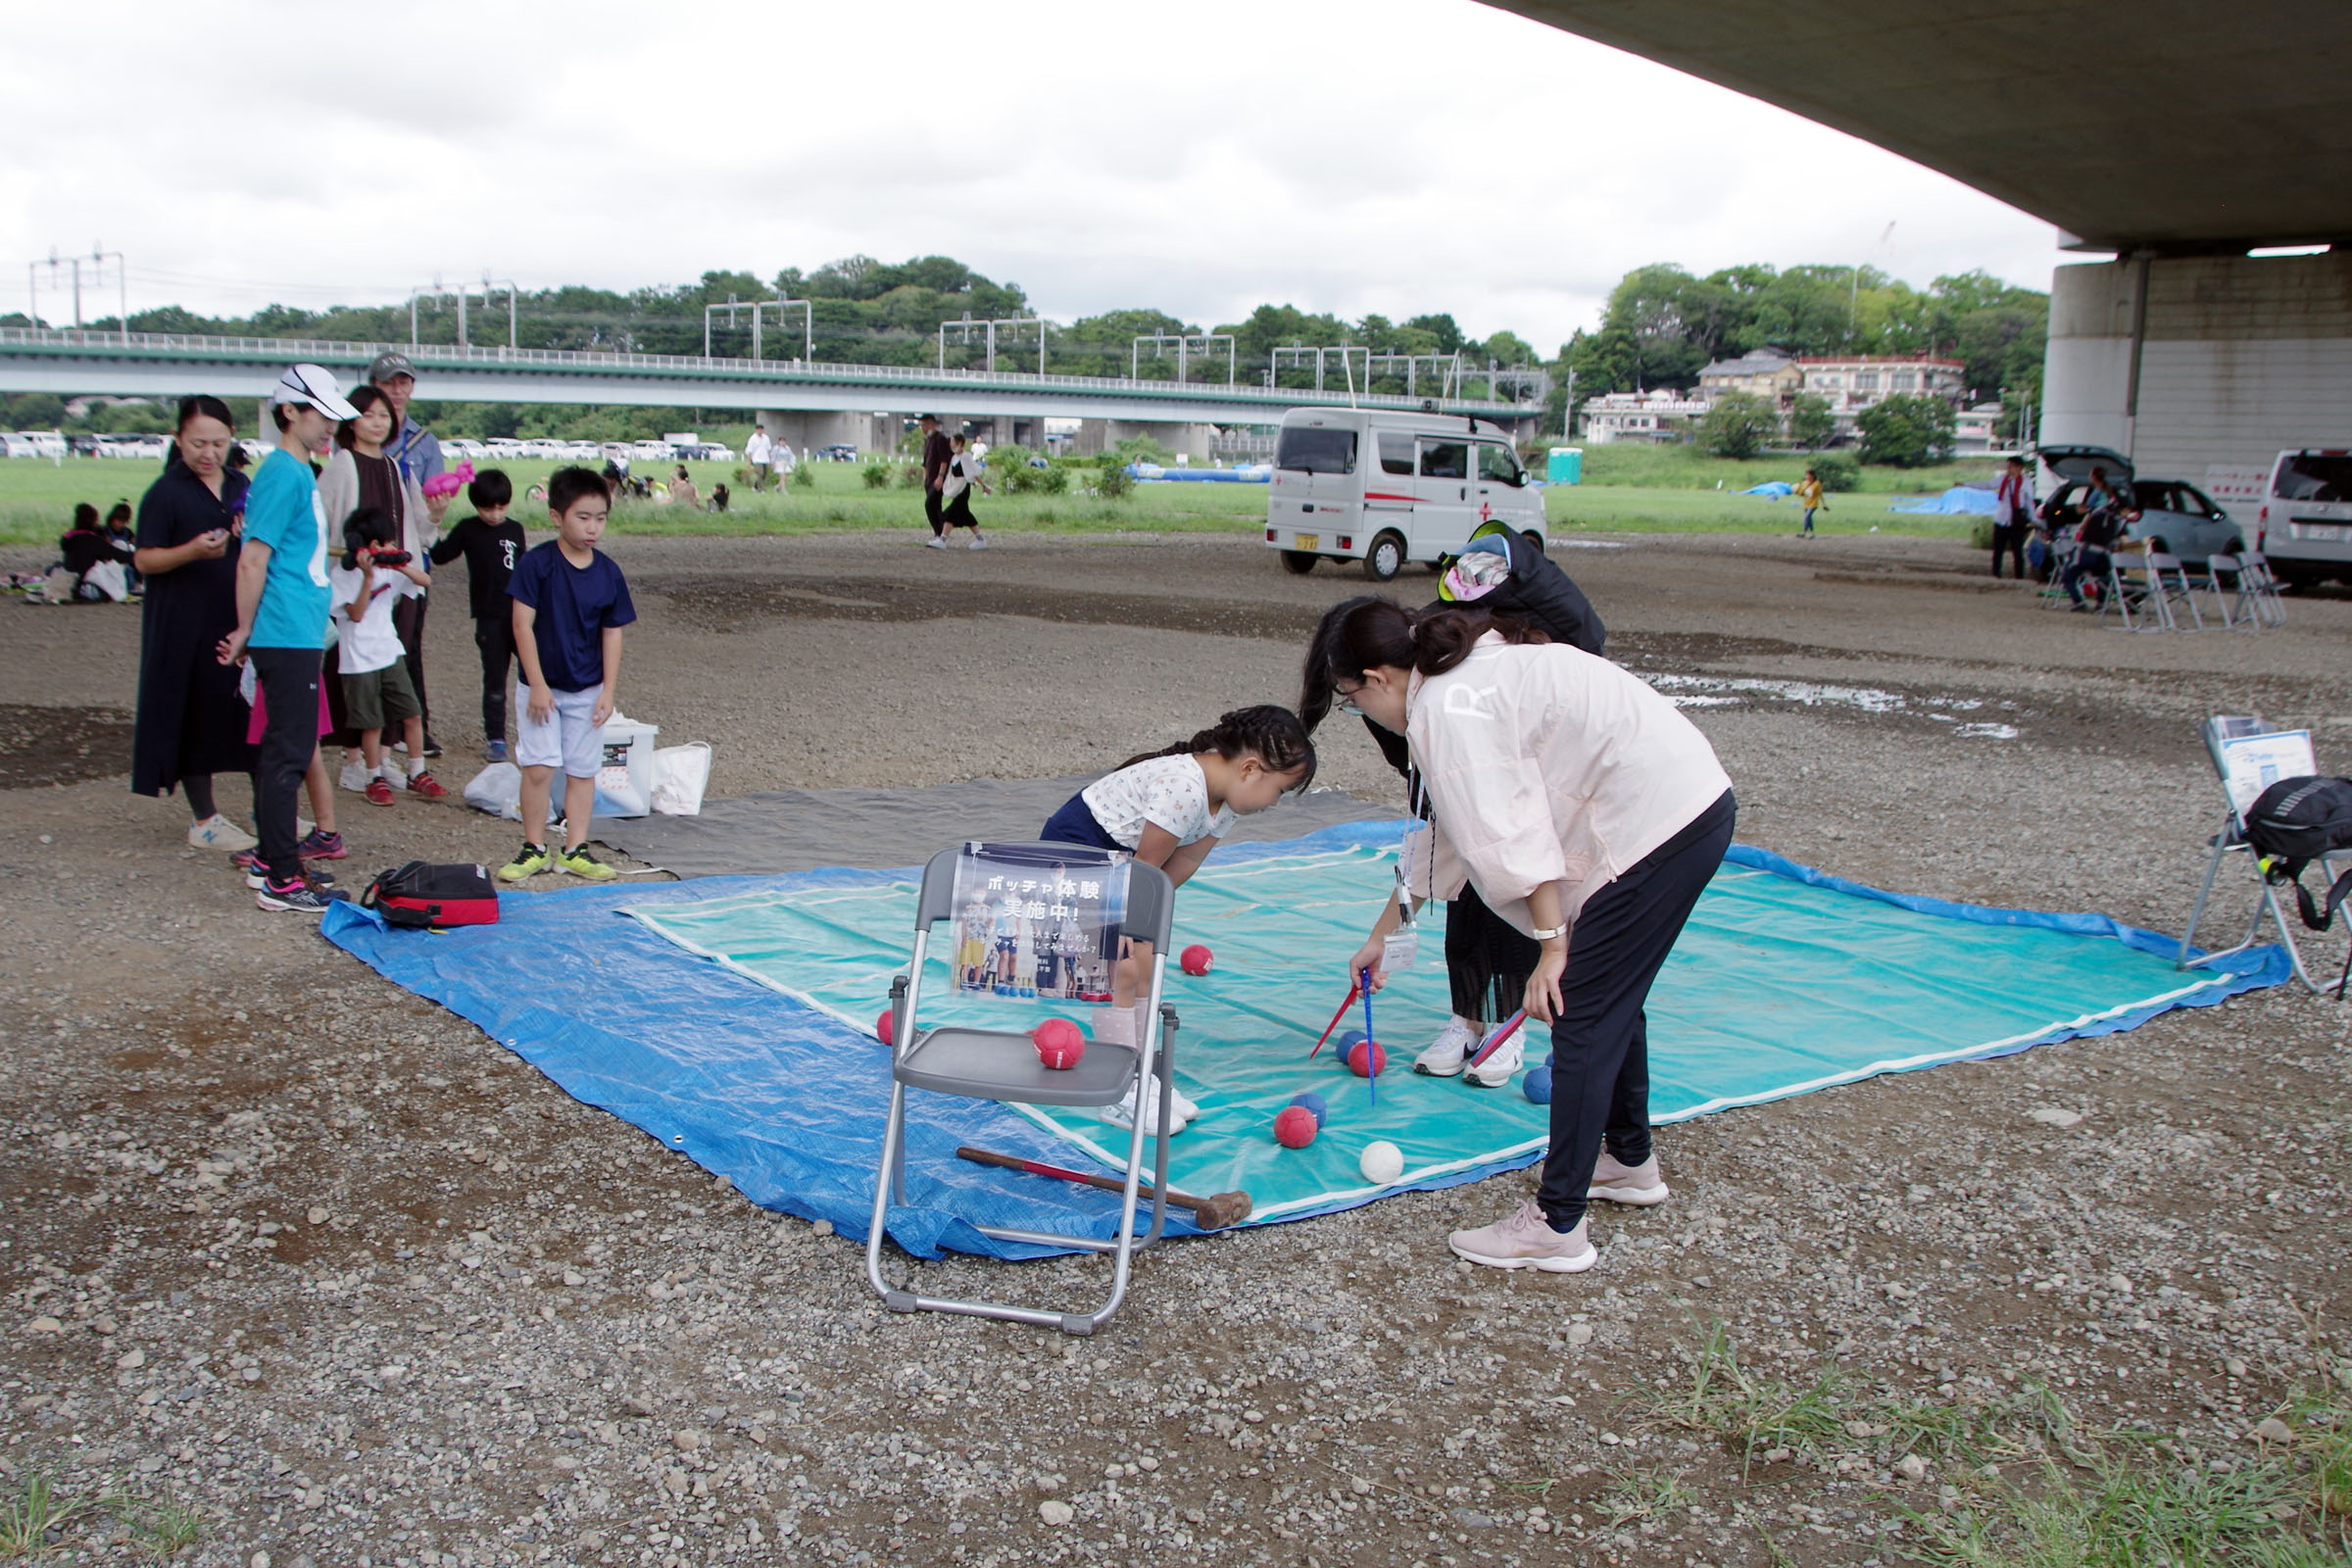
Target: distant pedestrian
[
  {"x": 682, "y": 492},
  {"x": 192, "y": 723},
  {"x": 2011, "y": 517},
  {"x": 937, "y": 452},
  {"x": 786, "y": 461},
  {"x": 761, "y": 456},
  {"x": 1808, "y": 496},
  {"x": 964, "y": 473},
  {"x": 119, "y": 533},
  {"x": 416, "y": 451}
]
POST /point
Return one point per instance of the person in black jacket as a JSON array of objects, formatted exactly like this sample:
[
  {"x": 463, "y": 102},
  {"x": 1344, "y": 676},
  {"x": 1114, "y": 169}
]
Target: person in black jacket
[
  {"x": 1488, "y": 962},
  {"x": 491, "y": 543}
]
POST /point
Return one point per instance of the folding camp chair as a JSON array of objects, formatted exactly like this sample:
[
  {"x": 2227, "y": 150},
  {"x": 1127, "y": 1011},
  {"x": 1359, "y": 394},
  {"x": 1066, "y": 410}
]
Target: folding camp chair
[
  {"x": 2170, "y": 590},
  {"x": 2267, "y": 600},
  {"x": 2134, "y": 595},
  {"x": 2248, "y": 756},
  {"x": 1004, "y": 1065},
  {"x": 2238, "y": 607}
]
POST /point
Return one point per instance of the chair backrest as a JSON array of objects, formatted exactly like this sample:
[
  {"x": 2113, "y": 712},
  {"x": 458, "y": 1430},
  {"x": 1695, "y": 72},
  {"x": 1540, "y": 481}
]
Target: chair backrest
[
  {"x": 2214, "y": 564},
  {"x": 2227, "y": 727},
  {"x": 1150, "y": 911}
]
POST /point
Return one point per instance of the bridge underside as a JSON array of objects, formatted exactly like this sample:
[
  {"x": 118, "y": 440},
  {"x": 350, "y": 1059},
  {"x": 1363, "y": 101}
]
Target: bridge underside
[{"x": 2171, "y": 126}]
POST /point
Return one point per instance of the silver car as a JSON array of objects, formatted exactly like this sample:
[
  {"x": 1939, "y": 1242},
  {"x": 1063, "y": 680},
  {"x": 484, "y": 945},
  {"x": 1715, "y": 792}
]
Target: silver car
[{"x": 2169, "y": 516}]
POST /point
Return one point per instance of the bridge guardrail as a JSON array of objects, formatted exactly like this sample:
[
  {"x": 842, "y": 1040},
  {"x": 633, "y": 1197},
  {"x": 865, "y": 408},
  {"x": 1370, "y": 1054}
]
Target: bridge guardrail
[{"x": 784, "y": 372}]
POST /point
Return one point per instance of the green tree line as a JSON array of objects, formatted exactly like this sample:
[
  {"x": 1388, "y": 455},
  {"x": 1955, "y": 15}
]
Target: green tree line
[{"x": 1662, "y": 323}]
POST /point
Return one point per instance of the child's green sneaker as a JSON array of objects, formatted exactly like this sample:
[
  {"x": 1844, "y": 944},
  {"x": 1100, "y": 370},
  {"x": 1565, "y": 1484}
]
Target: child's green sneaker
[
  {"x": 529, "y": 862},
  {"x": 584, "y": 866}
]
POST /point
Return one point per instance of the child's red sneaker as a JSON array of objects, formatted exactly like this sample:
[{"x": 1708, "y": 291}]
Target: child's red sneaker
[{"x": 426, "y": 785}]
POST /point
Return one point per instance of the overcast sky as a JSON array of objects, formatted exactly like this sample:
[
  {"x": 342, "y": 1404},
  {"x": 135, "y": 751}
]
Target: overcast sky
[{"x": 1351, "y": 155}]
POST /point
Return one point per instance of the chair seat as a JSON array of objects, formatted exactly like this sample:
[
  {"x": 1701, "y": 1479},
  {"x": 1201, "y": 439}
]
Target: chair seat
[{"x": 1001, "y": 1064}]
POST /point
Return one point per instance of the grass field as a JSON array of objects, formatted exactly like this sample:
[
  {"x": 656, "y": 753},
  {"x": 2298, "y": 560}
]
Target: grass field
[{"x": 36, "y": 503}]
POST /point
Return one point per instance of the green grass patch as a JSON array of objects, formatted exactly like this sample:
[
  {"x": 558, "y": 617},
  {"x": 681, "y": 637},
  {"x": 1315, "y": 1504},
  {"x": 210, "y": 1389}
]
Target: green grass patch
[
  {"x": 1682, "y": 467},
  {"x": 37, "y": 1522},
  {"x": 36, "y": 504},
  {"x": 2027, "y": 1487}
]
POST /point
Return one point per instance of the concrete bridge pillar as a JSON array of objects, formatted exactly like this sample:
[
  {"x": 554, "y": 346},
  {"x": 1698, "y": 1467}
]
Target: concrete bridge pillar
[{"x": 1097, "y": 436}]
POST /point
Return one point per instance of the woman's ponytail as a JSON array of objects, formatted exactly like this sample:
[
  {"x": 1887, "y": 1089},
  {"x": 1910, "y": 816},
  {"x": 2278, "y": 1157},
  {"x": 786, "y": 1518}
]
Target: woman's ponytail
[{"x": 1273, "y": 735}]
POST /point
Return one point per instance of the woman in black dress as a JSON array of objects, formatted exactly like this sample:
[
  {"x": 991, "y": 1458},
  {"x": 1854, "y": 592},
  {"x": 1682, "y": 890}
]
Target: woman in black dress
[{"x": 191, "y": 720}]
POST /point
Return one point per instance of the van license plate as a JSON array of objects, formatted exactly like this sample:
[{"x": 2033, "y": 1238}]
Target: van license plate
[
  {"x": 2321, "y": 532},
  {"x": 1306, "y": 541}
]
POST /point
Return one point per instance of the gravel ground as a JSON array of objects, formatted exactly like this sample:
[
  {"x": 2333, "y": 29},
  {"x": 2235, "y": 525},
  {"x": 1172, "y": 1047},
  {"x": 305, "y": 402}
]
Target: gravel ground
[{"x": 297, "y": 1252}]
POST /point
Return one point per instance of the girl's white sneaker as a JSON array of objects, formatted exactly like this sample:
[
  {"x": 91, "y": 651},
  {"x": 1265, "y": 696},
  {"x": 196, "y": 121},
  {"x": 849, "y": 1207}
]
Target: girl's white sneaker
[{"x": 218, "y": 832}]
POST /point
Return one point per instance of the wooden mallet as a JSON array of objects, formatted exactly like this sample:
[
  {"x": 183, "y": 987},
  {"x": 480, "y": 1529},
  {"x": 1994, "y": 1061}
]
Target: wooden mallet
[{"x": 1211, "y": 1214}]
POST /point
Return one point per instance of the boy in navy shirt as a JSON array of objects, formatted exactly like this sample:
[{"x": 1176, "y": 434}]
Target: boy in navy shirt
[
  {"x": 492, "y": 543},
  {"x": 570, "y": 603}
]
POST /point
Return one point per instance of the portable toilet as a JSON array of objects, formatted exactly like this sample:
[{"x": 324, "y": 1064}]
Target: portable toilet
[{"x": 1566, "y": 465}]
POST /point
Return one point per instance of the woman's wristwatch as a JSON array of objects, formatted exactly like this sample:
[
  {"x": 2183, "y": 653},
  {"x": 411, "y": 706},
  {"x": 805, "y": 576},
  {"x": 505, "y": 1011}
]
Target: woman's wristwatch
[{"x": 1549, "y": 933}]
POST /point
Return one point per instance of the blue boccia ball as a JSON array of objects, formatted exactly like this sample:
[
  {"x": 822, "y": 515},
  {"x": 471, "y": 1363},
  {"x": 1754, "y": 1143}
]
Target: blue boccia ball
[
  {"x": 1536, "y": 1085},
  {"x": 1347, "y": 1040},
  {"x": 1312, "y": 1105}
]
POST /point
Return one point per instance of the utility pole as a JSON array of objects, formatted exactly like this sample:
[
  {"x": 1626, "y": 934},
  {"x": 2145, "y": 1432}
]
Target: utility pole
[{"x": 514, "y": 315}]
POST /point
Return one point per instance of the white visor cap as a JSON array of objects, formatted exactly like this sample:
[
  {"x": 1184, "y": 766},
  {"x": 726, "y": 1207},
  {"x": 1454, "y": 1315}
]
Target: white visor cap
[{"x": 314, "y": 385}]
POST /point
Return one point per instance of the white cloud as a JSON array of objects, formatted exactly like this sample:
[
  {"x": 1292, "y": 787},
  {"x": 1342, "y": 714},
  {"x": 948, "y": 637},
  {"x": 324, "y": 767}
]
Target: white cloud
[{"x": 1341, "y": 155}]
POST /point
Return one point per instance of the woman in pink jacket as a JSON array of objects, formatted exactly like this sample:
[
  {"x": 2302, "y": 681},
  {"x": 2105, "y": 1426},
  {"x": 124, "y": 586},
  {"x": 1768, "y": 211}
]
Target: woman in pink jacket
[{"x": 1588, "y": 812}]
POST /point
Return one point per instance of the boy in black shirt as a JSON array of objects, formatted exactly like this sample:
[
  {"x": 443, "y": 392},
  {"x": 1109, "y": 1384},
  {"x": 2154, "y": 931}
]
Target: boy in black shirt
[{"x": 491, "y": 544}]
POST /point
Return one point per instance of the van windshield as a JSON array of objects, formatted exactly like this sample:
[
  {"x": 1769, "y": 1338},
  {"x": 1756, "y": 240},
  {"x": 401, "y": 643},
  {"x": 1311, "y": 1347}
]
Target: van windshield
[
  {"x": 2315, "y": 476},
  {"x": 1306, "y": 450}
]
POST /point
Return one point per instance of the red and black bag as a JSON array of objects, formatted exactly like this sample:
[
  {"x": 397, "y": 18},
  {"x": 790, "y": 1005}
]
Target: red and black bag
[{"x": 418, "y": 896}]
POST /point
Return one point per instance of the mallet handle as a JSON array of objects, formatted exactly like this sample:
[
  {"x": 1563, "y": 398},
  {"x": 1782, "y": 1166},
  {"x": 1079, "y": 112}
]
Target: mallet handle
[
  {"x": 1345, "y": 1003},
  {"x": 1085, "y": 1178}
]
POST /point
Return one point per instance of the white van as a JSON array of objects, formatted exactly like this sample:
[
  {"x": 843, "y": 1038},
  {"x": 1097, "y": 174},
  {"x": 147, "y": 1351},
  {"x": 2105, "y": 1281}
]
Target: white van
[
  {"x": 2305, "y": 530},
  {"x": 1364, "y": 484}
]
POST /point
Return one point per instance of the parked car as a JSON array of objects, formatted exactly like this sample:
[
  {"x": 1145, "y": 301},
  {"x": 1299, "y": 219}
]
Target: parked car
[
  {"x": 2170, "y": 515},
  {"x": 838, "y": 452},
  {"x": 2305, "y": 529},
  {"x": 462, "y": 449},
  {"x": 653, "y": 452}
]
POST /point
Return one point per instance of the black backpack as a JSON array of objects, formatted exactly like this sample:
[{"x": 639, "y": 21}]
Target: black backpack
[{"x": 2294, "y": 823}]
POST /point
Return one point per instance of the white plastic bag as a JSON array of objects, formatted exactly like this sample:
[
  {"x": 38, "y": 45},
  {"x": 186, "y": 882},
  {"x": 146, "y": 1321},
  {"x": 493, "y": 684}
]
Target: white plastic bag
[
  {"x": 498, "y": 789},
  {"x": 108, "y": 578},
  {"x": 681, "y": 775}
]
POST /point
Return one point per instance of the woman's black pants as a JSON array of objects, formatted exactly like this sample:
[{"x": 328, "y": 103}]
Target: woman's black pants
[{"x": 1600, "y": 1042}]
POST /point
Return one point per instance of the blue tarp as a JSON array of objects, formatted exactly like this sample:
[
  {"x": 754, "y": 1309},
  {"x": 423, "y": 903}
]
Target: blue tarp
[
  {"x": 763, "y": 1066},
  {"x": 1774, "y": 488},
  {"x": 1961, "y": 499}
]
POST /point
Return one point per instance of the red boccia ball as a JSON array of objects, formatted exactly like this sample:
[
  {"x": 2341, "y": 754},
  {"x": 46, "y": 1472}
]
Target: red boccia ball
[
  {"x": 1355, "y": 1059},
  {"x": 1295, "y": 1127},
  {"x": 1196, "y": 959},
  {"x": 1060, "y": 1044},
  {"x": 884, "y": 1027}
]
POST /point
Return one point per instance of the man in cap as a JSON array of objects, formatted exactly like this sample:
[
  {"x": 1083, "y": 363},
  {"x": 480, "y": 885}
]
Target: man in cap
[
  {"x": 416, "y": 451},
  {"x": 283, "y": 607}
]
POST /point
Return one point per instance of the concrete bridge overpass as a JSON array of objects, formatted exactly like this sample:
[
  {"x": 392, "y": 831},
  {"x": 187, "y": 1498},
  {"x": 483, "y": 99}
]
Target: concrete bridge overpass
[
  {"x": 2178, "y": 135},
  {"x": 809, "y": 402}
]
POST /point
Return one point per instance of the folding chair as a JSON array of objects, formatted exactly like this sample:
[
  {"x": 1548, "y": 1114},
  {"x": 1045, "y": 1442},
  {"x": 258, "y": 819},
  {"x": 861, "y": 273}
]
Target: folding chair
[
  {"x": 1004, "y": 1065},
  {"x": 2133, "y": 594},
  {"x": 2169, "y": 586},
  {"x": 2267, "y": 600},
  {"x": 2248, "y": 756},
  {"x": 2053, "y": 592},
  {"x": 2240, "y": 608}
]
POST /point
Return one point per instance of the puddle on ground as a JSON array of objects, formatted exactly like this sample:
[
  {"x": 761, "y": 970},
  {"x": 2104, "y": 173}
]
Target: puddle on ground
[{"x": 1733, "y": 691}]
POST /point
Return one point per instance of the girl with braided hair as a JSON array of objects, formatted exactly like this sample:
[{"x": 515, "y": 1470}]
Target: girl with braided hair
[
  {"x": 1168, "y": 809},
  {"x": 1589, "y": 814}
]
